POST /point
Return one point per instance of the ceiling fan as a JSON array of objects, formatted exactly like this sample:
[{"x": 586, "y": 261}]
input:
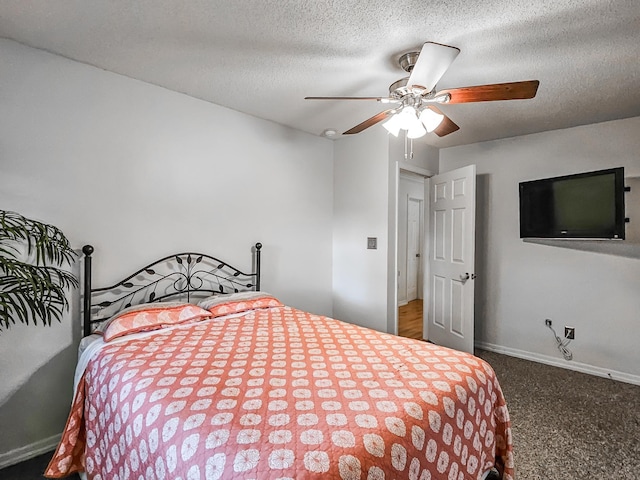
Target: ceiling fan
[{"x": 416, "y": 99}]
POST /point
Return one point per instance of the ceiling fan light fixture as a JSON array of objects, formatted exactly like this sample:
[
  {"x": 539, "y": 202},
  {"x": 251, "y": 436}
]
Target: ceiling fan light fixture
[
  {"x": 407, "y": 117},
  {"x": 430, "y": 119},
  {"x": 392, "y": 125},
  {"x": 416, "y": 131}
]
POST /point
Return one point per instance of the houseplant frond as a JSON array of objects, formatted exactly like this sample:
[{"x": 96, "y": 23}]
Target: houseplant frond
[
  {"x": 47, "y": 241},
  {"x": 33, "y": 291}
]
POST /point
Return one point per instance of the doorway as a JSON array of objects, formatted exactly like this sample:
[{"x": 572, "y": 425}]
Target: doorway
[
  {"x": 410, "y": 254},
  {"x": 449, "y": 244}
]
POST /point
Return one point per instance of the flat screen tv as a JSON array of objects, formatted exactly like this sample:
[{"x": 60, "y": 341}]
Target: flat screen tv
[{"x": 585, "y": 205}]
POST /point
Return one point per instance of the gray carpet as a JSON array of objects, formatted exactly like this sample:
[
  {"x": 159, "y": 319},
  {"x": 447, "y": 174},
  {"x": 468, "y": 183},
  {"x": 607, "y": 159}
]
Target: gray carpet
[
  {"x": 566, "y": 425},
  {"x": 569, "y": 425}
]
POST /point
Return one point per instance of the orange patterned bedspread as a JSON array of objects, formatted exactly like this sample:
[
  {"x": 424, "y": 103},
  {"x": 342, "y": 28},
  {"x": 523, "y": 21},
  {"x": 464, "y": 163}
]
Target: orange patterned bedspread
[{"x": 279, "y": 393}]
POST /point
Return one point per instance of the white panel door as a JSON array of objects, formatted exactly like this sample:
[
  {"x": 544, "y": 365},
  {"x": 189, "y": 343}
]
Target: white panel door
[
  {"x": 451, "y": 259},
  {"x": 413, "y": 247}
]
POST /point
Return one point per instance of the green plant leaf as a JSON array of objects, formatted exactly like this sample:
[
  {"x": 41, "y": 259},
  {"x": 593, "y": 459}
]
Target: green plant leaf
[{"x": 33, "y": 291}]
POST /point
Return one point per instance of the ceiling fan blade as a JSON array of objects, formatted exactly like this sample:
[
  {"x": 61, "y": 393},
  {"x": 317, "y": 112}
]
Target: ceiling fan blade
[
  {"x": 370, "y": 122},
  {"x": 433, "y": 61},
  {"x": 378, "y": 99},
  {"x": 496, "y": 91},
  {"x": 447, "y": 125}
]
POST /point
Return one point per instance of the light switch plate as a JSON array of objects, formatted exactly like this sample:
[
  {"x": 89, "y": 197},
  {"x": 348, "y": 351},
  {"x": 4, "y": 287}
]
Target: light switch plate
[{"x": 372, "y": 243}]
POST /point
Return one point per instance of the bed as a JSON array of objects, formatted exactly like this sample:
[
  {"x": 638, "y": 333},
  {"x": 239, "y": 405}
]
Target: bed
[{"x": 195, "y": 373}]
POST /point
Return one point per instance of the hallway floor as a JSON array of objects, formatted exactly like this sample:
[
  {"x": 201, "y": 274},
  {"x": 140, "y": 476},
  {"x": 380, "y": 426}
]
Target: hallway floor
[{"x": 410, "y": 320}]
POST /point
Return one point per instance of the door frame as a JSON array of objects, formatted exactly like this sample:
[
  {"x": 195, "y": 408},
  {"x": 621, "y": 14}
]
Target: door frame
[{"x": 392, "y": 280}]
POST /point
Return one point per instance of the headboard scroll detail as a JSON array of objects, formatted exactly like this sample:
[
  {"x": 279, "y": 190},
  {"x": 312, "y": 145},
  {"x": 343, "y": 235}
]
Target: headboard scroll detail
[{"x": 187, "y": 276}]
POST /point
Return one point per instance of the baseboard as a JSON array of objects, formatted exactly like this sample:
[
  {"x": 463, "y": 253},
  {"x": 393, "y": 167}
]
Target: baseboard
[
  {"x": 555, "y": 362},
  {"x": 29, "y": 451}
]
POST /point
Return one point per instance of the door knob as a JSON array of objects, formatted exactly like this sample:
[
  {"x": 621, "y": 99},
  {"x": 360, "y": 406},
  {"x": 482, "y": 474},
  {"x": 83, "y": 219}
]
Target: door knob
[
  {"x": 417, "y": 255},
  {"x": 466, "y": 276}
]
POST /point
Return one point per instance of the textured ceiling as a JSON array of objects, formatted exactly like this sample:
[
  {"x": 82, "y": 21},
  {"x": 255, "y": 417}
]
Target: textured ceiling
[{"x": 263, "y": 57}]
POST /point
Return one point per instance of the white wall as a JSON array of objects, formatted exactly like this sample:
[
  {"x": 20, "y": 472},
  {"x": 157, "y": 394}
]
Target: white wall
[
  {"x": 139, "y": 171},
  {"x": 366, "y": 182},
  {"x": 360, "y": 202},
  {"x": 592, "y": 286}
]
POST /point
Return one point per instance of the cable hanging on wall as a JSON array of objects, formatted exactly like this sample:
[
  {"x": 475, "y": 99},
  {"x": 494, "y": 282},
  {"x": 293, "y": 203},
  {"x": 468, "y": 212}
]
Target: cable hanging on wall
[{"x": 562, "y": 346}]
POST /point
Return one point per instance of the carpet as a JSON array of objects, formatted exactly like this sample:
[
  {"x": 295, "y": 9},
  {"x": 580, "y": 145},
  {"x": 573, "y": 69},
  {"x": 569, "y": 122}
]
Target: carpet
[{"x": 569, "y": 425}]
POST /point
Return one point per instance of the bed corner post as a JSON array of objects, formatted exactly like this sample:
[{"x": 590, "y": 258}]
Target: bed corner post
[
  {"x": 86, "y": 290},
  {"x": 258, "y": 248}
]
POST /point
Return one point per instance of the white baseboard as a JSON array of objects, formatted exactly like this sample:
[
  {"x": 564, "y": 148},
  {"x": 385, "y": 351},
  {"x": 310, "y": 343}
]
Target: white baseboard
[
  {"x": 29, "y": 451},
  {"x": 555, "y": 362}
]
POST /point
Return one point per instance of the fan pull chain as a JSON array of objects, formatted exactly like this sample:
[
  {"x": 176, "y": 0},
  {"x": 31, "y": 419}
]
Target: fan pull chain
[{"x": 408, "y": 147}]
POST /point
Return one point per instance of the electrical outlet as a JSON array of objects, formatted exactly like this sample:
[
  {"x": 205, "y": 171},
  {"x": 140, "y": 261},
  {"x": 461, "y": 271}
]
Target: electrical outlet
[
  {"x": 570, "y": 333},
  {"x": 547, "y": 322}
]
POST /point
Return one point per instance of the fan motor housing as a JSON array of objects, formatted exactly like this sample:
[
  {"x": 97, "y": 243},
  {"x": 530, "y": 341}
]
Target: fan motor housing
[
  {"x": 399, "y": 88},
  {"x": 408, "y": 60}
]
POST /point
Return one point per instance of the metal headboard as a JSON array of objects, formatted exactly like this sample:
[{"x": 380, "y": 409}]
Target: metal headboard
[{"x": 185, "y": 276}]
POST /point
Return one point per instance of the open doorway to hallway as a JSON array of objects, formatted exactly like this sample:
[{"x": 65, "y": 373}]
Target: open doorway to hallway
[{"x": 409, "y": 254}]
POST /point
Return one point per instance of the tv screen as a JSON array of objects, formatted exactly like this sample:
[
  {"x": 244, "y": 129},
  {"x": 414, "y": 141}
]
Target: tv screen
[{"x": 585, "y": 205}]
